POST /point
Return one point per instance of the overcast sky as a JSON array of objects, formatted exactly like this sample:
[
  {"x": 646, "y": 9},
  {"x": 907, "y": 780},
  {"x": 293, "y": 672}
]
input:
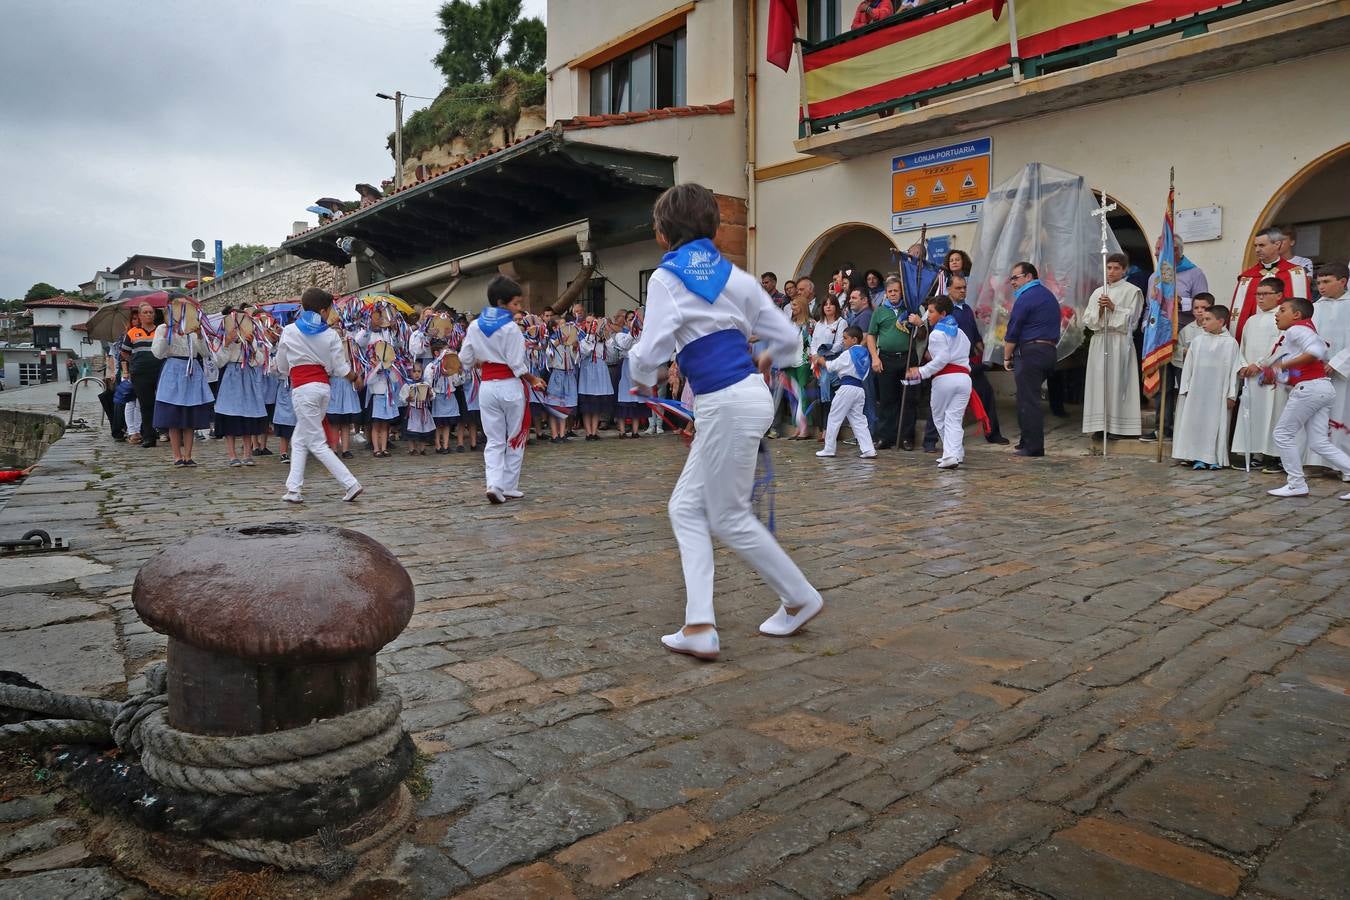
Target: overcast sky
[{"x": 134, "y": 126}]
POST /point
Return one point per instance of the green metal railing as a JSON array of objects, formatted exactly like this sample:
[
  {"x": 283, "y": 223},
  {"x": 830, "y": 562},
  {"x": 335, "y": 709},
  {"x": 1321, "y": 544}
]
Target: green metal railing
[{"x": 1031, "y": 67}]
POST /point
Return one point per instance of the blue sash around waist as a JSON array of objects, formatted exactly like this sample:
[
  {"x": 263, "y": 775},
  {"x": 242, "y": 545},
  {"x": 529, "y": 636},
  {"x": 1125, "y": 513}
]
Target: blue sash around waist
[
  {"x": 851, "y": 381},
  {"x": 716, "y": 360}
]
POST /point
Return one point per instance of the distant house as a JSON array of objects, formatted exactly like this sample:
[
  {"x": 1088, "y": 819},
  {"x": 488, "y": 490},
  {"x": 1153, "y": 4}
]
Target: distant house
[
  {"x": 58, "y": 323},
  {"x": 103, "y": 282},
  {"x": 142, "y": 270}
]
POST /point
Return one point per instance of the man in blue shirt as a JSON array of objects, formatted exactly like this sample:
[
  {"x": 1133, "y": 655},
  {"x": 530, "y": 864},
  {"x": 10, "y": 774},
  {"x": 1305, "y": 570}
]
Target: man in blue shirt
[
  {"x": 1029, "y": 351},
  {"x": 979, "y": 381}
]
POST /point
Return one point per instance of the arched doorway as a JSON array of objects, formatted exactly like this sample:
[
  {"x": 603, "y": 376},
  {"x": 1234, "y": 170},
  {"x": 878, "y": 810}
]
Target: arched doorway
[
  {"x": 1131, "y": 235},
  {"x": 853, "y": 242},
  {"x": 1315, "y": 203}
]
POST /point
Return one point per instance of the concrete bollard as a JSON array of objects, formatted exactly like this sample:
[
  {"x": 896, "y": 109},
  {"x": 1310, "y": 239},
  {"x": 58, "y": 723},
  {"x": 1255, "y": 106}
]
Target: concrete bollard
[{"x": 272, "y": 627}]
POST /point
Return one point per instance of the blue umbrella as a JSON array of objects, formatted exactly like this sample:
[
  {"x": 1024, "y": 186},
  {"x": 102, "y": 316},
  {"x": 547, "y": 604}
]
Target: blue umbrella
[
  {"x": 319, "y": 210},
  {"x": 283, "y": 312}
]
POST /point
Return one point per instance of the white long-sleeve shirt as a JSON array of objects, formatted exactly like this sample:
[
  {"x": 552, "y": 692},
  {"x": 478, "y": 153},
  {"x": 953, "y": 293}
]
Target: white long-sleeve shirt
[
  {"x": 946, "y": 350},
  {"x": 506, "y": 346},
  {"x": 842, "y": 365},
  {"x": 829, "y": 335},
  {"x": 164, "y": 345},
  {"x": 676, "y": 317},
  {"x": 295, "y": 348}
]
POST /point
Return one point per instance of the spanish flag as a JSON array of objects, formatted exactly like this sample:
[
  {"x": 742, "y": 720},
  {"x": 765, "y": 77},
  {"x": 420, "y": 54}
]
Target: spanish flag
[{"x": 782, "y": 32}]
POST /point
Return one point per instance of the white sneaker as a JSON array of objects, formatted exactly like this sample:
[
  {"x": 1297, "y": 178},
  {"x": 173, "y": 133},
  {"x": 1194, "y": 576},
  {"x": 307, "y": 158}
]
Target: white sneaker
[
  {"x": 948, "y": 462},
  {"x": 1288, "y": 491},
  {"x": 1345, "y": 476},
  {"x": 872, "y": 455},
  {"x": 293, "y": 497},
  {"x": 352, "y": 493},
  {"x": 824, "y": 454},
  {"x": 703, "y": 645},
  {"x": 660, "y": 429},
  {"x": 1345, "y": 496},
  {"x": 783, "y": 624},
  {"x": 513, "y": 495},
  {"x": 495, "y": 495}
]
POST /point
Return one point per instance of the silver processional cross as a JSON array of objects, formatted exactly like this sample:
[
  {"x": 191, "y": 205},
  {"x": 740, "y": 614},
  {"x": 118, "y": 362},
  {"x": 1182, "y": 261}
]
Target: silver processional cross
[{"x": 1101, "y": 213}]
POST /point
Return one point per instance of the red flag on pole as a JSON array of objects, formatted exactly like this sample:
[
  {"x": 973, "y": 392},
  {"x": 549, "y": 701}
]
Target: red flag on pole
[{"x": 782, "y": 32}]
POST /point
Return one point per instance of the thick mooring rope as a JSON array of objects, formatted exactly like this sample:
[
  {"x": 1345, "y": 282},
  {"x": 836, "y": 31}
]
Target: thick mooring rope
[{"x": 306, "y": 767}]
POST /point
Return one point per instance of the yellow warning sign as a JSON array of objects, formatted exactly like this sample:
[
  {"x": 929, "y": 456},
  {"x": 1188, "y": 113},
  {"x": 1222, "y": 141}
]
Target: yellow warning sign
[
  {"x": 916, "y": 189},
  {"x": 940, "y": 185}
]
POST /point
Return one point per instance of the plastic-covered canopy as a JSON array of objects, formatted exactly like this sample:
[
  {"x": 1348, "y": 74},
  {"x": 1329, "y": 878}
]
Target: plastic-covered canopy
[{"x": 1042, "y": 215}]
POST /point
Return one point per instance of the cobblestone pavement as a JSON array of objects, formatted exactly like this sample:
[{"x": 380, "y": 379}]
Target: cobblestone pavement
[{"x": 1069, "y": 677}]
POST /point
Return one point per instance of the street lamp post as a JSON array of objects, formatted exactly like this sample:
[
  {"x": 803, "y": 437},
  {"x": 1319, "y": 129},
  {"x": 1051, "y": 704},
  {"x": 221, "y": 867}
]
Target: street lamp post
[{"x": 398, "y": 136}]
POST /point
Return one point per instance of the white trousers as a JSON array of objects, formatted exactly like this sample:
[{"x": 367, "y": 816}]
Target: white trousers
[
  {"x": 713, "y": 497},
  {"x": 848, "y": 404},
  {"x": 1308, "y": 412},
  {"x": 311, "y": 404},
  {"x": 950, "y": 394},
  {"x": 133, "y": 417},
  {"x": 501, "y": 404}
]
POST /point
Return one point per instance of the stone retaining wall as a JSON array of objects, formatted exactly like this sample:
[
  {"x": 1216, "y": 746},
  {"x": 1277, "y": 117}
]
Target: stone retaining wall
[
  {"x": 274, "y": 276},
  {"x": 25, "y": 436}
]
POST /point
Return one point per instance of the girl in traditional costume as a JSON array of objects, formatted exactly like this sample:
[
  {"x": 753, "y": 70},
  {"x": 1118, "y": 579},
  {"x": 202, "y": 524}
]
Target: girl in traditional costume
[
  {"x": 627, "y": 414},
  {"x": 182, "y": 399},
  {"x": 595, "y": 392},
  {"x": 241, "y": 411}
]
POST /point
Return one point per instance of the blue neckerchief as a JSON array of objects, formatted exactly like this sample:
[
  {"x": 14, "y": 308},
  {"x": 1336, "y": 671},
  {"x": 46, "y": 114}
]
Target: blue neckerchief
[
  {"x": 492, "y": 319},
  {"x": 1184, "y": 265},
  {"x": 1024, "y": 288},
  {"x": 861, "y": 359},
  {"x": 311, "y": 322},
  {"x": 700, "y": 266},
  {"x": 947, "y": 325}
]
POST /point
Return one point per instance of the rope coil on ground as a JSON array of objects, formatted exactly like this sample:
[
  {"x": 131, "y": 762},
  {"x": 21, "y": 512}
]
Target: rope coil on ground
[
  {"x": 329, "y": 859},
  {"x": 244, "y": 796}
]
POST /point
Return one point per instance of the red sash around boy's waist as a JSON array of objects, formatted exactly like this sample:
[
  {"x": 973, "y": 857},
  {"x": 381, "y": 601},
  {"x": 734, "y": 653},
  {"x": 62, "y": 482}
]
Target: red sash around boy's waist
[
  {"x": 497, "y": 372},
  {"x": 1308, "y": 372},
  {"x": 308, "y": 374},
  {"x": 953, "y": 369}
]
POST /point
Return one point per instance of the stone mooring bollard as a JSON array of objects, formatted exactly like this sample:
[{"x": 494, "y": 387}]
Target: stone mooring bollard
[{"x": 271, "y": 627}]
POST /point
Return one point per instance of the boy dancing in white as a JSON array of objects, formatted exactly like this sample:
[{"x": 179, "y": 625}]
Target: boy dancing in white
[
  {"x": 704, "y": 309},
  {"x": 852, "y": 366},
  {"x": 494, "y": 344},
  {"x": 949, "y": 368},
  {"x": 1308, "y": 412},
  {"x": 309, "y": 353}
]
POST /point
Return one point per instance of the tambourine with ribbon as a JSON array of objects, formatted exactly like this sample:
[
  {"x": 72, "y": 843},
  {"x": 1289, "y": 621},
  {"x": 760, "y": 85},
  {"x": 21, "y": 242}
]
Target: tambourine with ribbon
[
  {"x": 450, "y": 364},
  {"x": 184, "y": 315},
  {"x": 383, "y": 355}
]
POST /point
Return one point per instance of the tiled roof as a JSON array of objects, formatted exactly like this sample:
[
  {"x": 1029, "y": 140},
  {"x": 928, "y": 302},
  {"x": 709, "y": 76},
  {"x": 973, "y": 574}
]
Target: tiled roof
[
  {"x": 725, "y": 108},
  {"x": 61, "y": 302}
]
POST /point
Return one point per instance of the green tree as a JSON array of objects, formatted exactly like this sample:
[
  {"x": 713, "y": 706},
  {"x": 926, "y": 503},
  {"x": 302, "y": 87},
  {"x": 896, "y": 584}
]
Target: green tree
[
  {"x": 42, "y": 291},
  {"x": 237, "y": 255},
  {"x": 482, "y": 38}
]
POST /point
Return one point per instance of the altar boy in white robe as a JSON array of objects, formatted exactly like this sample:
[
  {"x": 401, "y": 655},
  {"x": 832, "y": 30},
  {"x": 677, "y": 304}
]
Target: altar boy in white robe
[
  {"x": 1111, "y": 395},
  {"x": 1261, "y": 404},
  {"x": 1209, "y": 385},
  {"x": 1331, "y": 316},
  {"x": 703, "y": 310}
]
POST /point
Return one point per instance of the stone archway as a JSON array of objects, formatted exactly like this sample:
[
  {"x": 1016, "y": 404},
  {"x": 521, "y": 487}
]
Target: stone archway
[
  {"x": 858, "y": 243},
  {"x": 1315, "y": 202},
  {"x": 1133, "y": 239}
]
